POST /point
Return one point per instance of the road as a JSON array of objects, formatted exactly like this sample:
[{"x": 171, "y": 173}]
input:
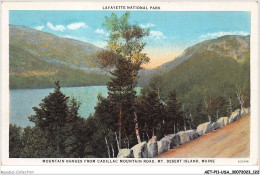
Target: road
[{"x": 231, "y": 141}]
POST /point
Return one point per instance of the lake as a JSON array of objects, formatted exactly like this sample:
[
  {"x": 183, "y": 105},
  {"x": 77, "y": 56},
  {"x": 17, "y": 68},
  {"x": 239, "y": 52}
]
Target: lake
[{"x": 22, "y": 101}]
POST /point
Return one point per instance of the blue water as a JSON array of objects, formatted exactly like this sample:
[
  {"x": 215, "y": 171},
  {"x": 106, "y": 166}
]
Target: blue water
[{"x": 22, "y": 101}]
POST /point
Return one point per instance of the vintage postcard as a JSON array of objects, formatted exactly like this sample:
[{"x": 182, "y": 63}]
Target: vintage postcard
[{"x": 130, "y": 83}]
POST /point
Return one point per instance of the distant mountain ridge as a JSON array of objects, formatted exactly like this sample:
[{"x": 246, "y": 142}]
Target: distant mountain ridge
[
  {"x": 211, "y": 68},
  {"x": 232, "y": 46},
  {"x": 37, "y": 59},
  {"x": 44, "y": 58}
]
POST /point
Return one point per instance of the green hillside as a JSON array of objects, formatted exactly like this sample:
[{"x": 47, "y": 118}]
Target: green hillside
[
  {"x": 204, "y": 70},
  {"x": 209, "y": 75},
  {"x": 37, "y": 59},
  {"x": 234, "y": 47},
  {"x": 50, "y": 46}
]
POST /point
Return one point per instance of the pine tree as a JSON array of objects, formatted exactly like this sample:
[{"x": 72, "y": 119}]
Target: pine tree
[
  {"x": 152, "y": 113},
  {"x": 35, "y": 144},
  {"x": 51, "y": 116},
  {"x": 124, "y": 52},
  {"x": 15, "y": 134},
  {"x": 174, "y": 120},
  {"x": 58, "y": 131},
  {"x": 103, "y": 111},
  {"x": 73, "y": 131}
]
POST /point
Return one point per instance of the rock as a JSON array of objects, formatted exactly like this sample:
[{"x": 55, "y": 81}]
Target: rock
[
  {"x": 184, "y": 137},
  {"x": 234, "y": 116},
  {"x": 204, "y": 128},
  {"x": 152, "y": 147},
  {"x": 216, "y": 125},
  {"x": 192, "y": 134},
  {"x": 198, "y": 133},
  {"x": 125, "y": 153},
  {"x": 245, "y": 111},
  {"x": 223, "y": 121},
  {"x": 173, "y": 139},
  {"x": 163, "y": 146},
  {"x": 140, "y": 150}
]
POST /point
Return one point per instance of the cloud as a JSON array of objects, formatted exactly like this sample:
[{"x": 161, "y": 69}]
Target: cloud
[
  {"x": 147, "y": 25},
  {"x": 77, "y": 25},
  {"x": 69, "y": 36},
  {"x": 101, "y": 31},
  {"x": 72, "y": 37},
  {"x": 101, "y": 44},
  {"x": 57, "y": 27},
  {"x": 219, "y": 34},
  {"x": 156, "y": 35},
  {"x": 39, "y": 27}
]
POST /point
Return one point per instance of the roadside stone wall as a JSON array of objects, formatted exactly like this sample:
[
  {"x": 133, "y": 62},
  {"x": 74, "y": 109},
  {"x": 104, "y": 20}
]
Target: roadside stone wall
[{"x": 171, "y": 141}]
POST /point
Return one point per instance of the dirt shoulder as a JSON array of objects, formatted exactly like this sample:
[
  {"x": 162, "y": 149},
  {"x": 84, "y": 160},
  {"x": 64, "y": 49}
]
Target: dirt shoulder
[{"x": 231, "y": 141}]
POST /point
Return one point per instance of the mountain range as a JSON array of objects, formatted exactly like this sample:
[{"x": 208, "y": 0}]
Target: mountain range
[
  {"x": 234, "y": 47},
  {"x": 37, "y": 59},
  {"x": 213, "y": 68}
]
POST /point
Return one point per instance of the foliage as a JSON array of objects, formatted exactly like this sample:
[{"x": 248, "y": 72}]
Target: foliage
[
  {"x": 29, "y": 50},
  {"x": 57, "y": 132},
  {"x": 211, "y": 83},
  {"x": 206, "y": 85},
  {"x": 151, "y": 112},
  {"x": 74, "y": 129},
  {"x": 15, "y": 134},
  {"x": 67, "y": 76},
  {"x": 174, "y": 118},
  {"x": 41, "y": 44},
  {"x": 124, "y": 52},
  {"x": 36, "y": 144}
]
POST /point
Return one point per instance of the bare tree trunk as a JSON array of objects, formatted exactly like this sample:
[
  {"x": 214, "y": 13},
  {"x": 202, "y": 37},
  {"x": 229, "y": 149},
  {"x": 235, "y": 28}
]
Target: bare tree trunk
[
  {"x": 117, "y": 142},
  {"x": 136, "y": 128},
  {"x": 230, "y": 106},
  {"x": 125, "y": 144},
  {"x": 192, "y": 120},
  {"x": 108, "y": 151},
  {"x": 174, "y": 128},
  {"x": 113, "y": 151},
  {"x": 209, "y": 118},
  {"x": 217, "y": 113},
  {"x": 240, "y": 100},
  {"x": 177, "y": 127},
  {"x": 184, "y": 125},
  {"x": 183, "y": 109},
  {"x": 128, "y": 141},
  {"x": 153, "y": 132},
  {"x": 208, "y": 106},
  {"x": 147, "y": 136},
  {"x": 120, "y": 127}
]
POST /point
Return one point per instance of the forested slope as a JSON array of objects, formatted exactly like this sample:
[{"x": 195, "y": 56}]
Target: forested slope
[{"x": 38, "y": 59}]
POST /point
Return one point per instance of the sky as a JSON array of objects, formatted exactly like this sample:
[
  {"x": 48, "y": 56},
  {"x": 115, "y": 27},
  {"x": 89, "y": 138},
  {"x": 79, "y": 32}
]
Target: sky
[{"x": 171, "y": 32}]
